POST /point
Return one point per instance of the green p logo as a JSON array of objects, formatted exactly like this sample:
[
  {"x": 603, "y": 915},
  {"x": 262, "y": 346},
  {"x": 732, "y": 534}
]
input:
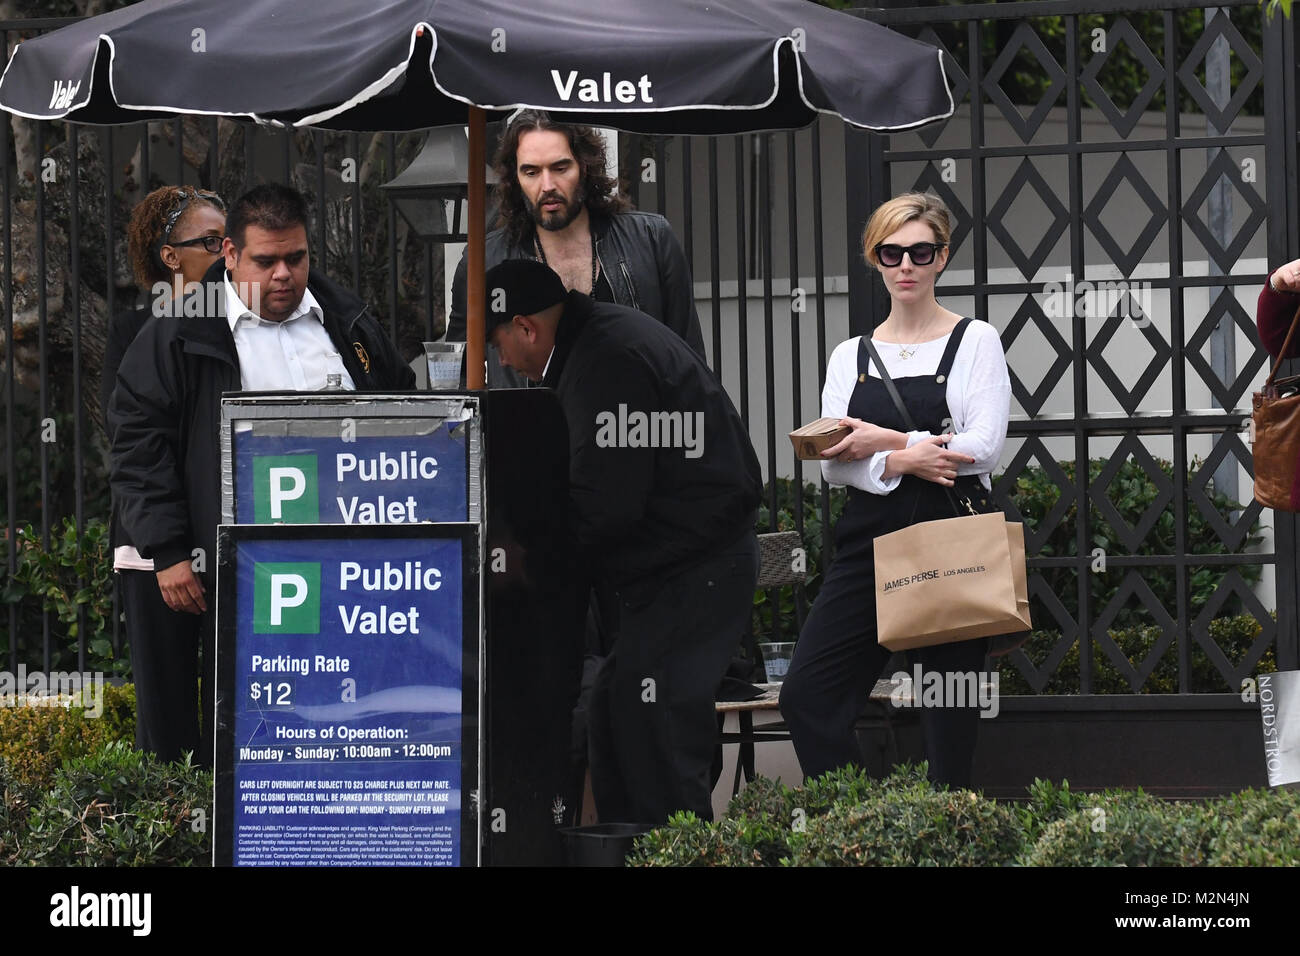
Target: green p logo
[
  {"x": 286, "y": 597},
  {"x": 285, "y": 489}
]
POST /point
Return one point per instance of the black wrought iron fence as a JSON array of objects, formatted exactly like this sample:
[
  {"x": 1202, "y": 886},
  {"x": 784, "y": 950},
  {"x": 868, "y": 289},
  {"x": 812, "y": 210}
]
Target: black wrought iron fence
[
  {"x": 1154, "y": 145},
  {"x": 1033, "y": 165}
]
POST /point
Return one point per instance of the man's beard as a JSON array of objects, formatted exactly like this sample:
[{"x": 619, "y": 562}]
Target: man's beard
[{"x": 554, "y": 222}]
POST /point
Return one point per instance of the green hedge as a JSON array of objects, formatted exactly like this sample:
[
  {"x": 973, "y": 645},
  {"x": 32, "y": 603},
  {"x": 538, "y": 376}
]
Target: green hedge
[
  {"x": 849, "y": 819},
  {"x": 1259, "y": 828},
  {"x": 119, "y": 807},
  {"x": 15, "y": 804},
  {"x": 910, "y": 825},
  {"x": 74, "y": 792},
  {"x": 1123, "y": 829},
  {"x": 36, "y": 741},
  {"x": 70, "y": 579}
]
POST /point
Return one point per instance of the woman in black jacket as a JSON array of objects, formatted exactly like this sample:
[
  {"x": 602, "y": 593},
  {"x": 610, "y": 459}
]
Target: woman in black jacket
[{"x": 174, "y": 235}]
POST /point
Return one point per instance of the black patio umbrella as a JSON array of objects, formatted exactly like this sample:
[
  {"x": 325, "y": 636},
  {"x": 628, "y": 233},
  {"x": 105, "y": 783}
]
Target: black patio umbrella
[{"x": 667, "y": 66}]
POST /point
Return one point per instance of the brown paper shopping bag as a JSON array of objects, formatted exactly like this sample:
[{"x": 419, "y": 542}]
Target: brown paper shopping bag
[
  {"x": 1006, "y": 643},
  {"x": 956, "y": 579}
]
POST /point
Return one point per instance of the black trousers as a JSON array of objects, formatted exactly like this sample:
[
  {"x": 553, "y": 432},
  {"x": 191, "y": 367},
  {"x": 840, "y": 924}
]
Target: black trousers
[
  {"x": 836, "y": 663},
  {"x": 652, "y": 720},
  {"x": 165, "y": 660}
]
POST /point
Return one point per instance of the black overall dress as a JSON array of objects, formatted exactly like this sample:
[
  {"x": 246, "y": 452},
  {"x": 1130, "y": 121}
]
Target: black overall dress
[{"x": 837, "y": 659}]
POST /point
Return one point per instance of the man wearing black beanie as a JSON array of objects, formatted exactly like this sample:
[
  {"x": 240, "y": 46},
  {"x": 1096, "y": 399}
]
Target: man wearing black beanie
[{"x": 664, "y": 487}]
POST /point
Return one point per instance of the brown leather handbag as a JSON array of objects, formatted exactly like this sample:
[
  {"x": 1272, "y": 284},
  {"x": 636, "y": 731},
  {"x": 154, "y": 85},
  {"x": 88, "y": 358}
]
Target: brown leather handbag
[{"x": 1276, "y": 436}]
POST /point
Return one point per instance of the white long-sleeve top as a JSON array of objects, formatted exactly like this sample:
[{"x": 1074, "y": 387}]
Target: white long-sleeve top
[{"x": 978, "y": 392}]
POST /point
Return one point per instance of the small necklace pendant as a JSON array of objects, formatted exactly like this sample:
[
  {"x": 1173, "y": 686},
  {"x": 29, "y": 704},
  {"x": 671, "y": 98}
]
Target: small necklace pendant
[{"x": 905, "y": 354}]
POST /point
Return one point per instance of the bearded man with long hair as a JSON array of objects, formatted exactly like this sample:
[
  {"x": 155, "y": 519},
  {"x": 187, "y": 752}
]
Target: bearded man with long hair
[{"x": 556, "y": 204}]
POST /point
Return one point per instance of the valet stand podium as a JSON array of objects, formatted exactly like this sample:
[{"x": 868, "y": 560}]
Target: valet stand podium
[{"x": 399, "y": 630}]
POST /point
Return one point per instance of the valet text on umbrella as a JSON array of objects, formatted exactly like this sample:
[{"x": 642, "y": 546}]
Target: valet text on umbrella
[
  {"x": 604, "y": 90},
  {"x": 63, "y": 94}
]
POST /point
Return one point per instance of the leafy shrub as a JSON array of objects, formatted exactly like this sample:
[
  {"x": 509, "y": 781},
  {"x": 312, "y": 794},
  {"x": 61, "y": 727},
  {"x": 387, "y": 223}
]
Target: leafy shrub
[
  {"x": 36, "y": 741},
  {"x": 71, "y": 577},
  {"x": 848, "y": 819},
  {"x": 1124, "y": 828},
  {"x": 15, "y": 801},
  {"x": 850, "y": 785},
  {"x": 764, "y": 796},
  {"x": 913, "y": 825},
  {"x": 121, "y": 807},
  {"x": 774, "y": 799},
  {"x": 769, "y": 824},
  {"x": 1233, "y": 635},
  {"x": 1048, "y": 803},
  {"x": 1256, "y": 828},
  {"x": 687, "y": 840},
  {"x": 119, "y": 712}
]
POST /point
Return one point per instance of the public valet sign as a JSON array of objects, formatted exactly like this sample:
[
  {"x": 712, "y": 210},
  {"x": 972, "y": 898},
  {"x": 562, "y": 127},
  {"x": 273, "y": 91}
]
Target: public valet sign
[
  {"x": 350, "y": 460},
  {"x": 346, "y": 664},
  {"x": 348, "y": 651}
]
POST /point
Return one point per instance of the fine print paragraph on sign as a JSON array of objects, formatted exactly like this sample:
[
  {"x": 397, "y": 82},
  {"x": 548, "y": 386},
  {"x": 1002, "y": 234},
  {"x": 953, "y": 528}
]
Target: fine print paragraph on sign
[{"x": 348, "y": 726}]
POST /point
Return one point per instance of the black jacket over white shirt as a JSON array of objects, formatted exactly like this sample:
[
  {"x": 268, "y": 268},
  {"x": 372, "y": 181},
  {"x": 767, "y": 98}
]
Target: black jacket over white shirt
[
  {"x": 164, "y": 415},
  {"x": 641, "y": 514},
  {"x": 639, "y": 257}
]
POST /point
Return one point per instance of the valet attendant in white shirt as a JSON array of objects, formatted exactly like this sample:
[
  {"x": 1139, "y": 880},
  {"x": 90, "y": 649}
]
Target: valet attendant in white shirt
[{"x": 952, "y": 374}]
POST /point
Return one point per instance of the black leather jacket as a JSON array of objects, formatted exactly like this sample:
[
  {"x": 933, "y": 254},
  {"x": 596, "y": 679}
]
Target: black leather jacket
[{"x": 639, "y": 257}]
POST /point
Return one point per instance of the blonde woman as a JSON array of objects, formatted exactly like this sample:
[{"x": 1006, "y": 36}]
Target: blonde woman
[{"x": 951, "y": 373}]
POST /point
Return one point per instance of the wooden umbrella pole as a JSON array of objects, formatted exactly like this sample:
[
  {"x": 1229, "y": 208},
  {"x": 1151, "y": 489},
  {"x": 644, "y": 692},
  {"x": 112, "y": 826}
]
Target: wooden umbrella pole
[{"x": 474, "y": 344}]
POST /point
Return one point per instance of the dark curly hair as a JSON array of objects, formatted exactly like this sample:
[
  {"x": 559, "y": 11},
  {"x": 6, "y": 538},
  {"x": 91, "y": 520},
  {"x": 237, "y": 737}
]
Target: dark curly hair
[
  {"x": 588, "y": 149},
  {"x": 148, "y": 226}
]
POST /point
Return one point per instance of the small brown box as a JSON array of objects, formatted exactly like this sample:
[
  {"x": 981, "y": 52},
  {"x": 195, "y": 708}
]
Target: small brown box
[{"x": 815, "y": 437}]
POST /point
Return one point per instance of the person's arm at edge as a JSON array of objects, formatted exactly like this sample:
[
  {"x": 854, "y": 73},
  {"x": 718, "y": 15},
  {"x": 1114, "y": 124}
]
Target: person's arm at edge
[{"x": 1273, "y": 314}]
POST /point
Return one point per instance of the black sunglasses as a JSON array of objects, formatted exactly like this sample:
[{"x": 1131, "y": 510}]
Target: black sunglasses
[
  {"x": 210, "y": 244},
  {"x": 921, "y": 253}
]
